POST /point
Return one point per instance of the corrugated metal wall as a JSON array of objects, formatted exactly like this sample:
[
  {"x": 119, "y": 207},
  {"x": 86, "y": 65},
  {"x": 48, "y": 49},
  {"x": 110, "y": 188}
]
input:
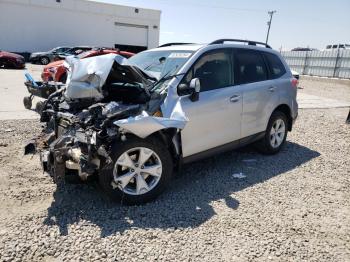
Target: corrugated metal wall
[{"x": 335, "y": 63}]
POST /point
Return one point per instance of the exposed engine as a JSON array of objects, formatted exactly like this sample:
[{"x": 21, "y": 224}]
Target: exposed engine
[
  {"x": 78, "y": 132},
  {"x": 104, "y": 101}
]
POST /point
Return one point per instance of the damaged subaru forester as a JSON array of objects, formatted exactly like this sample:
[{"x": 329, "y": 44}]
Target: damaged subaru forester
[{"x": 132, "y": 122}]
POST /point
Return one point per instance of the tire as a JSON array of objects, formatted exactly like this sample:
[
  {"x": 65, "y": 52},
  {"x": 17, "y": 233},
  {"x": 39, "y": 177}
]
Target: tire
[
  {"x": 27, "y": 102},
  {"x": 39, "y": 107},
  {"x": 268, "y": 145},
  {"x": 44, "y": 60},
  {"x": 132, "y": 192}
]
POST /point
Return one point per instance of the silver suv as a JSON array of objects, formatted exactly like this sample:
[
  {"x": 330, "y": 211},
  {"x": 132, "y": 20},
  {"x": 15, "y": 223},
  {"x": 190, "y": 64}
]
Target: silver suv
[{"x": 163, "y": 108}]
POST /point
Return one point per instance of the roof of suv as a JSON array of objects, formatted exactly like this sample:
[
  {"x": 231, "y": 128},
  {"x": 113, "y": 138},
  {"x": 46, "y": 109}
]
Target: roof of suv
[
  {"x": 189, "y": 47},
  {"x": 249, "y": 44}
]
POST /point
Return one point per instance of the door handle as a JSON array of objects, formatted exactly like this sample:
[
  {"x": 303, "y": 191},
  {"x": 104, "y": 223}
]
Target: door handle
[
  {"x": 235, "y": 98},
  {"x": 272, "y": 89}
]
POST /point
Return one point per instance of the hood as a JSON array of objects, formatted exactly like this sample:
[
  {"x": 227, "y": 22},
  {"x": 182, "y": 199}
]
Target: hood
[
  {"x": 86, "y": 77},
  {"x": 54, "y": 64},
  {"x": 10, "y": 55}
]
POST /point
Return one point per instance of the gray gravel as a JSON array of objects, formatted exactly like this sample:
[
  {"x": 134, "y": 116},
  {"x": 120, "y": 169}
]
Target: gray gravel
[
  {"x": 335, "y": 89},
  {"x": 294, "y": 206}
]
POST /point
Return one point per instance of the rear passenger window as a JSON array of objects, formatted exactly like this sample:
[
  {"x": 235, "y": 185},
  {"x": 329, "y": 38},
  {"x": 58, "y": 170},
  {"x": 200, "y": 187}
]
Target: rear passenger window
[
  {"x": 249, "y": 67},
  {"x": 276, "y": 67}
]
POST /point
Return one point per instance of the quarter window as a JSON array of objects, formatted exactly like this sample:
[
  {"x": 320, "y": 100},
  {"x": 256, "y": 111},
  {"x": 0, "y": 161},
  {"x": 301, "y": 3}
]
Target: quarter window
[
  {"x": 213, "y": 70},
  {"x": 276, "y": 67},
  {"x": 250, "y": 67}
]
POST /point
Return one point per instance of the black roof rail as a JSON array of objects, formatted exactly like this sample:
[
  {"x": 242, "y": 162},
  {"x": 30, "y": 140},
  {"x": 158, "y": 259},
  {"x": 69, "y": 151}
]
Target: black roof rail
[
  {"x": 249, "y": 42},
  {"x": 170, "y": 44}
]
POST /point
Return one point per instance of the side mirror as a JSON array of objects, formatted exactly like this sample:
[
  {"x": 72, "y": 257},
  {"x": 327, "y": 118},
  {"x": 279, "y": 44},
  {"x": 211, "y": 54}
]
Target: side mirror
[
  {"x": 195, "y": 85},
  {"x": 192, "y": 89}
]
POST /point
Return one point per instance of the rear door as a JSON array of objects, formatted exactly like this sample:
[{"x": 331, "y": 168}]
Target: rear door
[
  {"x": 260, "y": 94},
  {"x": 215, "y": 119}
]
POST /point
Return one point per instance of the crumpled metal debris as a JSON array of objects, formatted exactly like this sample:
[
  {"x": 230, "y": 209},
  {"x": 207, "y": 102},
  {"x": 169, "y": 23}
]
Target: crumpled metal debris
[{"x": 144, "y": 125}]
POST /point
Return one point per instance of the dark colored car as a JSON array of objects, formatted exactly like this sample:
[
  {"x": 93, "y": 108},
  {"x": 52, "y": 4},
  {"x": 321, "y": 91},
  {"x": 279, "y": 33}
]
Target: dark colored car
[
  {"x": 304, "y": 49},
  {"x": 45, "y": 58},
  {"x": 11, "y": 60},
  {"x": 73, "y": 51}
]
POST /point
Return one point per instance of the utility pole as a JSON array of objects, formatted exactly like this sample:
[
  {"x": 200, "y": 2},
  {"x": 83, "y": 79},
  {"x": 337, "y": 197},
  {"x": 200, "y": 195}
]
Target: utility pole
[{"x": 269, "y": 24}]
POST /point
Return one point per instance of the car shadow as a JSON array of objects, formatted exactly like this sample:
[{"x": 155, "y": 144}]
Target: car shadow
[{"x": 187, "y": 203}]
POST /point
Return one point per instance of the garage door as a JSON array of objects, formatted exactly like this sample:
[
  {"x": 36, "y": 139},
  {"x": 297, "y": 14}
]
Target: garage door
[{"x": 131, "y": 34}]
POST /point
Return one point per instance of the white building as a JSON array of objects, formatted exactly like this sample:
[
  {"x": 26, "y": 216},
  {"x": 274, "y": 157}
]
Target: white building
[{"x": 39, "y": 25}]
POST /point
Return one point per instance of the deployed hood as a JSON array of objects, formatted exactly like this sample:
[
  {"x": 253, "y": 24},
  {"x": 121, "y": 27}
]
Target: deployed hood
[{"x": 86, "y": 77}]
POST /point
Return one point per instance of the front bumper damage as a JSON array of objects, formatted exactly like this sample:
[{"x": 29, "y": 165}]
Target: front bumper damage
[{"x": 85, "y": 118}]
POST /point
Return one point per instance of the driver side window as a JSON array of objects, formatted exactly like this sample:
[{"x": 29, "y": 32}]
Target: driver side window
[{"x": 213, "y": 69}]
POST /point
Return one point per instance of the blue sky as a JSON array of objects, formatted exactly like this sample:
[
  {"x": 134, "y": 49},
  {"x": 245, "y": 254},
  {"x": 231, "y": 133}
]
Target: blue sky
[{"x": 296, "y": 23}]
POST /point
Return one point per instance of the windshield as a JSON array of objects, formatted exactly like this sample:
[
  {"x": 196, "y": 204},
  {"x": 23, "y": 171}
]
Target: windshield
[{"x": 160, "y": 63}]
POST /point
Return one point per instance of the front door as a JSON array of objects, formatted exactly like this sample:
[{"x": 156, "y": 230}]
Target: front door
[{"x": 215, "y": 119}]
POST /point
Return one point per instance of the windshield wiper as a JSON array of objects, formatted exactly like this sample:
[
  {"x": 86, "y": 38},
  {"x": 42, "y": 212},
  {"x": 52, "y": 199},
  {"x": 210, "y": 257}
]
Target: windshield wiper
[{"x": 166, "y": 77}]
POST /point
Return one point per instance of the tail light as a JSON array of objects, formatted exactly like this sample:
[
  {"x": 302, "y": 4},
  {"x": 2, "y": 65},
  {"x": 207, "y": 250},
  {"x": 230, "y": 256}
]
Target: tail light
[{"x": 294, "y": 82}]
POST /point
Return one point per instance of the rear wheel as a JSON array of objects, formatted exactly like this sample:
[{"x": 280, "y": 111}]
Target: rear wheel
[
  {"x": 27, "y": 102},
  {"x": 141, "y": 170},
  {"x": 275, "y": 135},
  {"x": 44, "y": 60}
]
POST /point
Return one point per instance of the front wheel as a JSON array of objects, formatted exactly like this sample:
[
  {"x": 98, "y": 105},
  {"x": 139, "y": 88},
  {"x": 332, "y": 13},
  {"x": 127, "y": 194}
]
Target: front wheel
[
  {"x": 44, "y": 60},
  {"x": 141, "y": 170},
  {"x": 275, "y": 135}
]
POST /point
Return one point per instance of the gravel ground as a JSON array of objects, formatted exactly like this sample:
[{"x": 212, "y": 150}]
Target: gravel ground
[
  {"x": 325, "y": 88},
  {"x": 294, "y": 206}
]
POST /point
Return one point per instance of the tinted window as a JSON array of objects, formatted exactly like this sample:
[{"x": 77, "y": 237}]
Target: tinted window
[
  {"x": 214, "y": 71},
  {"x": 249, "y": 67},
  {"x": 276, "y": 67},
  {"x": 335, "y": 46}
]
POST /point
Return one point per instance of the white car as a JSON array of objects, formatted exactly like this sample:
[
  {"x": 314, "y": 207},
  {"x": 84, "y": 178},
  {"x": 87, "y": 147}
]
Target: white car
[
  {"x": 337, "y": 46},
  {"x": 131, "y": 122}
]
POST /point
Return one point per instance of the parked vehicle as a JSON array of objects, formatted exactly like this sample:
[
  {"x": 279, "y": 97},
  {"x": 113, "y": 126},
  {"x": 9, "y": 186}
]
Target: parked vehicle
[
  {"x": 338, "y": 46},
  {"x": 11, "y": 60},
  {"x": 130, "y": 123},
  {"x": 73, "y": 51},
  {"x": 295, "y": 74},
  {"x": 304, "y": 49},
  {"x": 46, "y": 57},
  {"x": 56, "y": 71}
]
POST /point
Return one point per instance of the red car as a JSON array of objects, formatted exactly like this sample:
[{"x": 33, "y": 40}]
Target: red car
[
  {"x": 56, "y": 71},
  {"x": 11, "y": 60}
]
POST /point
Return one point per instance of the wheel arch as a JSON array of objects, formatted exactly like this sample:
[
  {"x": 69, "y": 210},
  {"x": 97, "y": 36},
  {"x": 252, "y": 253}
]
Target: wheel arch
[
  {"x": 284, "y": 108},
  {"x": 171, "y": 138}
]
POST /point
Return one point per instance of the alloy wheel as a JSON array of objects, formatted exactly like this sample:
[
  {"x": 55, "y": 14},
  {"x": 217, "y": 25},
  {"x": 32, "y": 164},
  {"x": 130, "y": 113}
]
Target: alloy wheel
[
  {"x": 44, "y": 60},
  {"x": 137, "y": 171},
  {"x": 277, "y": 133}
]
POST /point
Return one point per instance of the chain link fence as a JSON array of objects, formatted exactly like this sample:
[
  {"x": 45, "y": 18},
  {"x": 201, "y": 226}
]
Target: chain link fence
[{"x": 334, "y": 63}]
